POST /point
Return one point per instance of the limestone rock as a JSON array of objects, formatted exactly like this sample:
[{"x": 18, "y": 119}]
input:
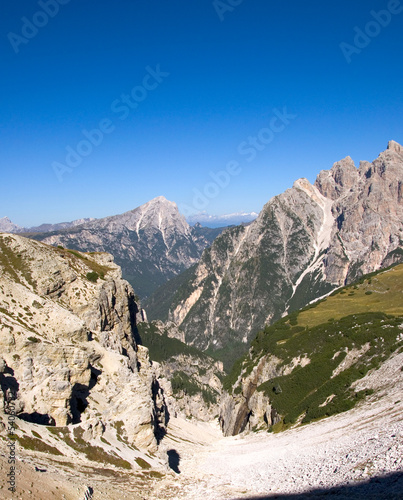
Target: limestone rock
[{"x": 67, "y": 338}]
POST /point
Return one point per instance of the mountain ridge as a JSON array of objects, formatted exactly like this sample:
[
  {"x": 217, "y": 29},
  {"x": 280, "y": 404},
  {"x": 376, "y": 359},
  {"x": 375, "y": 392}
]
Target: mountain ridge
[
  {"x": 305, "y": 242},
  {"x": 308, "y": 364}
]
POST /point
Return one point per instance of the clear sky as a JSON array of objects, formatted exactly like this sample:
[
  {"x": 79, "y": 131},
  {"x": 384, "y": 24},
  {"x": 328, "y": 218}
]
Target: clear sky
[{"x": 157, "y": 97}]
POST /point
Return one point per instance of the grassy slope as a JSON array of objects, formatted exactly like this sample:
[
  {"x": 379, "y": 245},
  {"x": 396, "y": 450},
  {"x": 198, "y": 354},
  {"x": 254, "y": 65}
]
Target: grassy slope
[
  {"x": 382, "y": 291},
  {"x": 365, "y": 318}
]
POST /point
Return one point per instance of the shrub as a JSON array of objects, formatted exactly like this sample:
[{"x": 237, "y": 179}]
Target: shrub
[
  {"x": 92, "y": 276},
  {"x": 35, "y": 340}
]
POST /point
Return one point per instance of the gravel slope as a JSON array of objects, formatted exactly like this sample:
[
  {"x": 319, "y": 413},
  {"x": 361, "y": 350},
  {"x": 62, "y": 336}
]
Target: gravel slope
[
  {"x": 347, "y": 449},
  {"x": 357, "y": 454}
]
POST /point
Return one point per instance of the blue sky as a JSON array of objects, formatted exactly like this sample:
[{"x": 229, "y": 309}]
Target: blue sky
[{"x": 257, "y": 89}]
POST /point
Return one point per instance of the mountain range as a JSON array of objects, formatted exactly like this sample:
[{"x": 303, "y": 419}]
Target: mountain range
[
  {"x": 221, "y": 285},
  {"x": 151, "y": 243},
  {"x": 305, "y": 242},
  {"x": 7, "y": 226},
  {"x": 82, "y": 400},
  {"x": 234, "y": 219},
  {"x": 96, "y": 391}
]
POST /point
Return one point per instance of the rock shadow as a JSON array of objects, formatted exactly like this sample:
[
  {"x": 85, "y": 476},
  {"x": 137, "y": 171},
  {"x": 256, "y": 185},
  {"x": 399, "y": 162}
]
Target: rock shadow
[
  {"x": 79, "y": 396},
  {"x": 174, "y": 460},
  {"x": 388, "y": 487},
  {"x": 9, "y": 384},
  {"x": 37, "y": 418}
]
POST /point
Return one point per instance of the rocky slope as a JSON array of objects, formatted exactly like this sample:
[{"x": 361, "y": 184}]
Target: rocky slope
[
  {"x": 356, "y": 454},
  {"x": 305, "y": 242},
  {"x": 151, "y": 243},
  {"x": 68, "y": 349}
]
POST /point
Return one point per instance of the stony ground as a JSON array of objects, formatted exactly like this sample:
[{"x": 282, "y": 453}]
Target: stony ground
[
  {"x": 351, "y": 453},
  {"x": 357, "y": 454}
]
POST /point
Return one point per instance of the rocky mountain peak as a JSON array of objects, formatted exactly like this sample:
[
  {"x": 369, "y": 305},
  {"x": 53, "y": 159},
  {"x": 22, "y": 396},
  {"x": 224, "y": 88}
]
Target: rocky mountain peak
[
  {"x": 305, "y": 242},
  {"x": 7, "y": 226},
  {"x": 395, "y": 146},
  {"x": 339, "y": 179},
  {"x": 152, "y": 243},
  {"x": 162, "y": 214}
]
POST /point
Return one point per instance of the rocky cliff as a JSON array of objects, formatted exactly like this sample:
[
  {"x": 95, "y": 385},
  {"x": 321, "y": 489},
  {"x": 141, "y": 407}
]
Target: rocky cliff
[
  {"x": 68, "y": 347},
  {"x": 151, "y": 243},
  {"x": 305, "y": 242}
]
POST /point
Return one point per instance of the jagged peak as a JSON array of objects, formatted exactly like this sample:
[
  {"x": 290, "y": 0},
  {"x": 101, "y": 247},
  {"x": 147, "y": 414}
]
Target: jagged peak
[
  {"x": 303, "y": 184},
  {"x": 339, "y": 179},
  {"x": 159, "y": 213},
  {"x": 395, "y": 146},
  {"x": 346, "y": 162},
  {"x": 7, "y": 225}
]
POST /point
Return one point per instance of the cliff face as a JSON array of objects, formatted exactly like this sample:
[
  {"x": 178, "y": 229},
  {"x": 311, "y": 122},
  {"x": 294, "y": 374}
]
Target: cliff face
[
  {"x": 368, "y": 210},
  {"x": 305, "y": 242},
  {"x": 67, "y": 339},
  {"x": 151, "y": 243}
]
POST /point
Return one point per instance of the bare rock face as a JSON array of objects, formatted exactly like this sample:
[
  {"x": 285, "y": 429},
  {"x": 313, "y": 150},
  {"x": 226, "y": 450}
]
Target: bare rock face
[
  {"x": 395, "y": 147},
  {"x": 248, "y": 409},
  {"x": 369, "y": 219},
  {"x": 339, "y": 180},
  {"x": 305, "y": 242},
  {"x": 191, "y": 380},
  {"x": 67, "y": 340},
  {"x": 202, "y": 404}
]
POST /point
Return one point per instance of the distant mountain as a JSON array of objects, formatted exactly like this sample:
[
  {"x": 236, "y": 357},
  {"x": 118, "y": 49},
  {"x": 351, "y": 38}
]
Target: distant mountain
[
  {"x": 234, "y": 219},
  {"x": 151, "y": 243},
  {"x": 57, "y": 227},
  {"x": 6, "y": 226},
  {"x": 306, "y": 242}
]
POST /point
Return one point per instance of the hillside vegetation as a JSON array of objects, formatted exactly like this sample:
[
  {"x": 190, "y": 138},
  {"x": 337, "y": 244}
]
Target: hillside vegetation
[
  {"x": 192, "y": 379},
  {"x": 320, "y": 351}
]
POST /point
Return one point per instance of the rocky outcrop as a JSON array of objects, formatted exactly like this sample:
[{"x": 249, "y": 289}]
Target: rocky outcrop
[
  {"x": 68, "y": 346},
  {"x": 152, "y": 243},
  {"x": 199, "y": 397},
  {"x": 305, "y": 242},
  {"x": 246, "y": 408},
  {"x": 369, "y": 218}
]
